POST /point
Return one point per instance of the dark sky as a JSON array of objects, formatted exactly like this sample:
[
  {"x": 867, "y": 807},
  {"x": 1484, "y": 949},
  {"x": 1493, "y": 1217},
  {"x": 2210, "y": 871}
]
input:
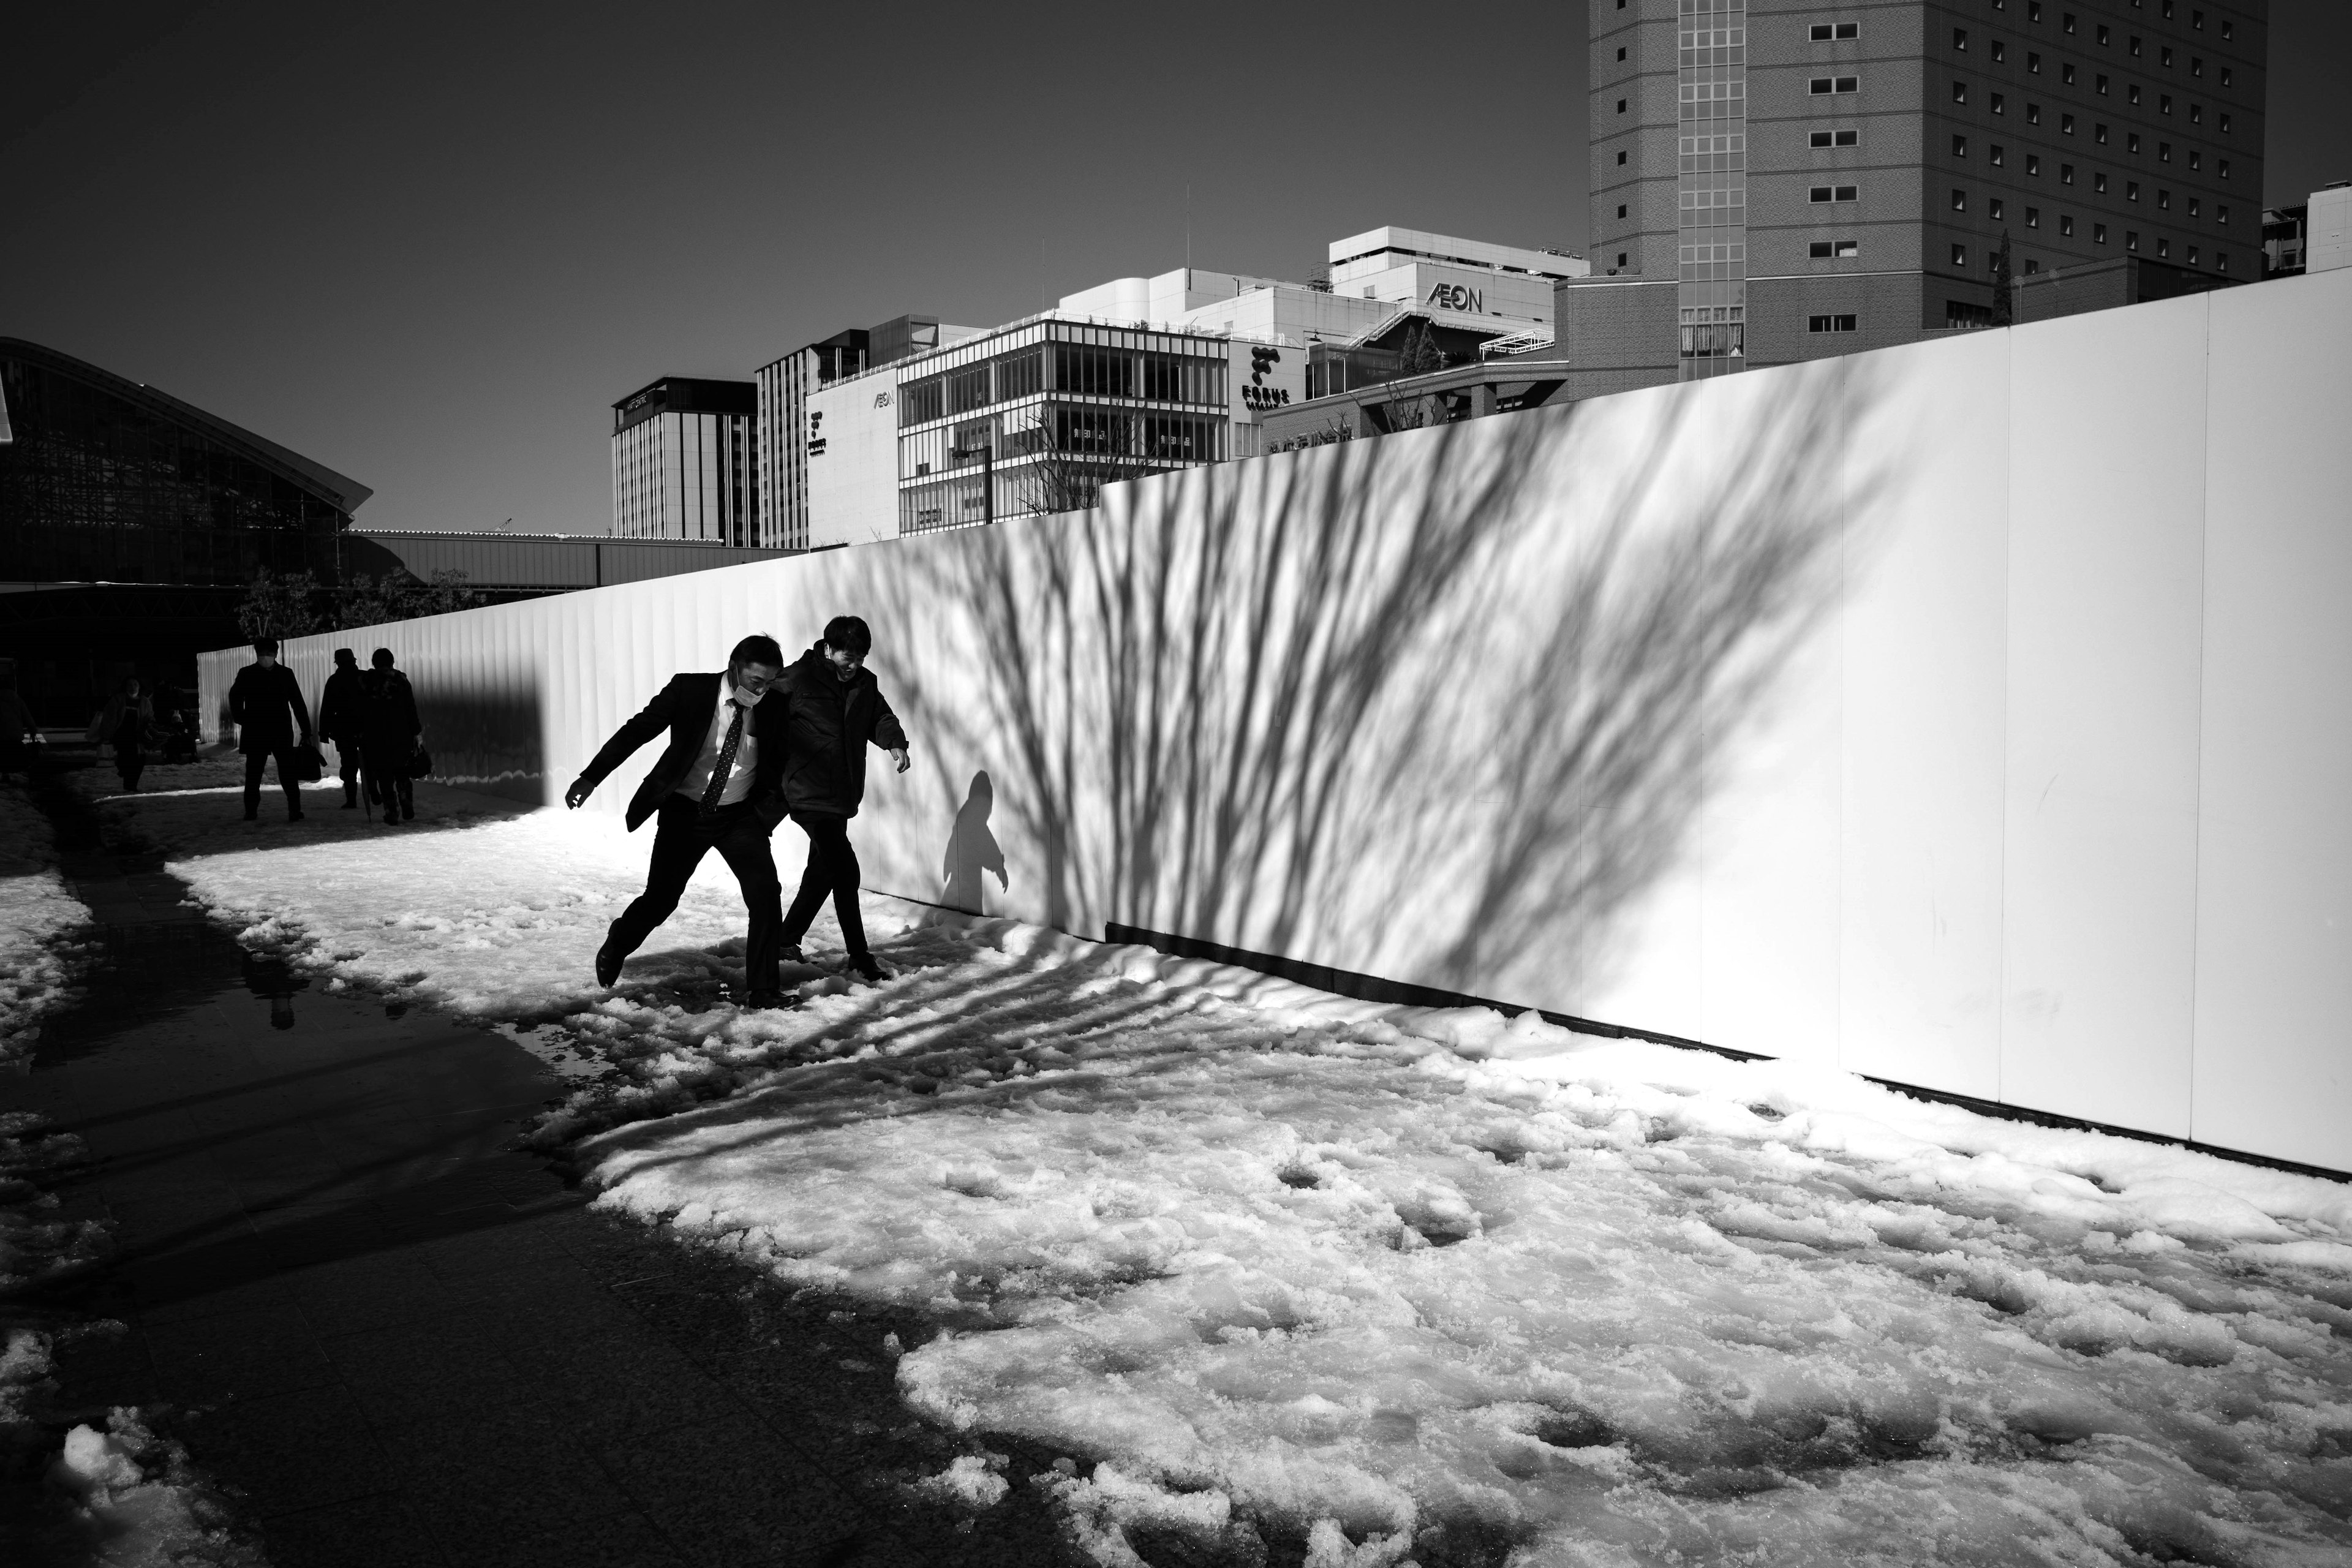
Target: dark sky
[{"x": 430, "y": 245}]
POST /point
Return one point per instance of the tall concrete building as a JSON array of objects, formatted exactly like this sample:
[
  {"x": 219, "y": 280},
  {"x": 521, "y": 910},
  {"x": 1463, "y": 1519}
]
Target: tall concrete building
[
  {"x": 682, "y": 463},
  {"x": 1774, "y": 181}
]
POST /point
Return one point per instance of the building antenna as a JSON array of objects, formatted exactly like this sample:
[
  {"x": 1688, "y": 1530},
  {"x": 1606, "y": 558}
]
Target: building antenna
[{"x": 1188, "y": 234}]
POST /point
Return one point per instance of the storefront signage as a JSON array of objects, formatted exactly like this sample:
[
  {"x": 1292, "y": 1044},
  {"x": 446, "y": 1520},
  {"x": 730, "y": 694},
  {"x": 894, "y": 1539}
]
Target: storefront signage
[
  {"x": 1261, "y": 398},
  {"x": 1457, "y": 296}
]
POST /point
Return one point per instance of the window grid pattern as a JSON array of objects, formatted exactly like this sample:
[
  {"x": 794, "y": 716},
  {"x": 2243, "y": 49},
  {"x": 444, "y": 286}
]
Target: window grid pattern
[{"x": 1711, "y": 186}]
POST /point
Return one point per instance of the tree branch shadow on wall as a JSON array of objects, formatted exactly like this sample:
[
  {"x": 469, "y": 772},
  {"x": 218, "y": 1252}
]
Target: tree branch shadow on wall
[{"x": 1386, "y": 704}]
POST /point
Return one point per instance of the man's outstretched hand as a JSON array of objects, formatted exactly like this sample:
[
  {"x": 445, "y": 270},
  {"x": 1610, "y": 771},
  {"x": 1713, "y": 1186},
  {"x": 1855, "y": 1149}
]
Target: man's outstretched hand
[
  {"x": 577, "y": 795},
  {"x": 898, "y": 756}
]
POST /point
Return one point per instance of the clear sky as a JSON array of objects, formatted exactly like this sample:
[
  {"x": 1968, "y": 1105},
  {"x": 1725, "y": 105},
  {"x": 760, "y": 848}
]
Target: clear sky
[{"x": 431, "y": 245}]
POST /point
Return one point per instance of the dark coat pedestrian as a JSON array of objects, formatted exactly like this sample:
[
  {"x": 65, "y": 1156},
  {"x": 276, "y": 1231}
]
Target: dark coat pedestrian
[
  {"x": 836, "y": 711},
  {"x": 339, "y": 720},
  {"x": 388, "y": 728},
  {"x": 265, "y": 703},
  {"x": 715, "y": 786},
  {"x": 16, "y": 731},
  {"x": 124, "y": 726}
]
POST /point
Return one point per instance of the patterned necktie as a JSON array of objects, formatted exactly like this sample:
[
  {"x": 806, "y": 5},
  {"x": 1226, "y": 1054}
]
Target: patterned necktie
[{"x": 725, "y": 763}]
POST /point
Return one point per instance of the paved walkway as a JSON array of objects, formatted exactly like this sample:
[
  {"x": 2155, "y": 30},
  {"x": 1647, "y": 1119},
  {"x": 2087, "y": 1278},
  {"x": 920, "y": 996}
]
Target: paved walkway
[{"x": 403, "y": 1343}]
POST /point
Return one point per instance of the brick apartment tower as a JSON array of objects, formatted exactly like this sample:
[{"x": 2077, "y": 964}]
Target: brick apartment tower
[{"x": 1775, "y": 181}]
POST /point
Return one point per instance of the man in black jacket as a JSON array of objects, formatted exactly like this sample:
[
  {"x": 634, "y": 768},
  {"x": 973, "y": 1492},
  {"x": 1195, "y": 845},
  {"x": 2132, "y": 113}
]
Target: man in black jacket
[
  {"x": 339, "y": 720},
  {"x": 836, "y": 710},
  {"x": 388, "y": 731},
  {"x": 265, "y": 703},
  {"x": 715, "y": 787}
]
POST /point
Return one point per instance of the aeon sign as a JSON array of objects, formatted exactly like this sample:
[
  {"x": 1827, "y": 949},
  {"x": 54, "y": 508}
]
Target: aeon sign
[{"x": 1456, "y": 297}]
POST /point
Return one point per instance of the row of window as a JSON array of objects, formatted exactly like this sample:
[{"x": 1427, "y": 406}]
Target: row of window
[
  {"x": 1995, "y": 208},
  {"x": 2099, "y": 237},
  {"x": 1999, "y": 104},
  {"x": 1099, "y": 372},
  {"x": 2066, "y": 22},
  {"x": 1998, "y": 53},
  {"x": 1998, "y": 156}
]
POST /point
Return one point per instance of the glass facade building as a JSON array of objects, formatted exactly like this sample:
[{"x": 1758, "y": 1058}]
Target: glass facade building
[
  {"x": 1049, "y": 410},
  {"x": 1711, "y": 186},
  {"x": 786, "y": 439},
  {"x": 683, "y": 465},
  {"x": 103, "y": 480}
]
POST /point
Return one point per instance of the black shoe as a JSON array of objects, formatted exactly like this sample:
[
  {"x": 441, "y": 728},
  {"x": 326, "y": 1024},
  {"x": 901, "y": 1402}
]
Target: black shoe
[
  {"x": 351, "y": 805},
  {"x": 758, "y": 1000},
  {"x": 295, "y": 815},
  {"x": 867, "y": 965},
  {"x": 608, "y": 966},
  {"x": 790, "y": 954}
]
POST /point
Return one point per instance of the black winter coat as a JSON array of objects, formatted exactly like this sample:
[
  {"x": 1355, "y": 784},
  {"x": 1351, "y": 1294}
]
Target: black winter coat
[
  {"x": 266, "y": 707},
  {"x": 339, "y": 706},
  {"x": 388, "y": 722},
  {"x": 831, "y": 721}
]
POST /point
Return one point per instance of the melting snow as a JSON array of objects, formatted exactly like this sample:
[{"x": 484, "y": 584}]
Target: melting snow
[
  {"x": 1400, "y": 1284},
  {"x": 38, "y": 964}
]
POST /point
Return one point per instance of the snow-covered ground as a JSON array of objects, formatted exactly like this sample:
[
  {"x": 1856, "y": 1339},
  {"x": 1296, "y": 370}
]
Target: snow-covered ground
[
  {"x": 37, "y": 916},
  {"x": 1397, "y": 1284}
]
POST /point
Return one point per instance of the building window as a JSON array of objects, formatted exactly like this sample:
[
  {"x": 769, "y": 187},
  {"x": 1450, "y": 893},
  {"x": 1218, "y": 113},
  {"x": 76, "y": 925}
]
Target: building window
[
  {"x": 1959, "y": 313},
  {"x": 1959, "y": 254},
  {"x": 2193, "y": 205},
  {"x": 2131, "y": 239},
  {"x": 2163, "y": 249},
  {"x": 2032, "y": 64},
  {"x": 2197, "y": 20},
  {"x": 2222, "y": 168},
  {"x": 2164, "y": 56},
  {"x": 2131, "y": 93},
  {"x": 1993, "y": 209},
  {"x": 2033, "y": 10},
  {"x": 1959, "y": 92},
  {"x": 1834, "y": 137},
  {"x": 2098, "y": 233},
  {"x": 2131, "y": 142},
  {"x": 1830, "y": 249},
  {"x": 2103, "y": 35},
  {"x": 2099, "y": 134},
  {"x": 1822, "y": 32},
  {"x": 1620, "y": 54},
  {"x": 1960, "y": 39},
  {"x": 1831, "y": 193},
  {"x": 2164, "y": 103},
  {"x": 1829, "y": 324},
  {"x": 2031, "y": 266},
  {"x": 2000, "y": 104},
  {"x": 2225, "y": 76},
  {"x": 2196, "y": 115},
  {"x": 2135, "y": 46},
  {"x": 1959, "y": 146},
  {"x": 2066, "y": 227},
  {"x": 2033, "y": 218},
  {"x": 2033, "y": 115},
  {"x": 1996, "y": 154},
  {"x": 2131, "y": 190},
  {"x": 2228, "y": 29},
  {"x": 2099, "y": 182},
  {"x": 2066, "y": 124},
  {"x": 2066, "y": 72},
  {"x": 2221, "y": 213},
  {"x": 1999, "y": 52},
  {"x": 2164, "y": 152},
  {"x": 1620, "y": 106},
  {"x": 2220, "y": 261},
  {"x": 2034, "y": 163},
  {"x": 1620, "y": 255},
  {"x": 2066, "y": 23},
  {"x": 2100, "y": 87},
  {"x": 1621, "y": 209},
  {"x": 1960, "y": 200},
  {"x": 1853, "y": 84},
  {"x": 2066, "y": 174},
  {"x": 2196, "y": 160},
  {"x": 2164, "y": 201},
  {"x": 2196, "y": 66},
  {"x": 1621, "y": 160}
]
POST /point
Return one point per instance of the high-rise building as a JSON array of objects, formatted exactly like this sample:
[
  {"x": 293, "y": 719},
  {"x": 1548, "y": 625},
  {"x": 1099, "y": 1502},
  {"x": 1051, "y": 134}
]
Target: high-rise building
[
  {"x": 682, "y": 461},
  {"x": 783, "y": 437},
  {"x": 1774, "y": 181}
]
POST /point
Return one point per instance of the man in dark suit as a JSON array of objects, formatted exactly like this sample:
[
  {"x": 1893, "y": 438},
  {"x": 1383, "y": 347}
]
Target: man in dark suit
[
  {"x": 265, "y": 703},
  {"x": 716, "y": 786}
]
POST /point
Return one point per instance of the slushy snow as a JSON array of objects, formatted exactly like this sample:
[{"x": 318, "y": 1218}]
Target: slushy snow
[
  {"x": 39, "y": 961},
  {"x": 1400, "y": 1284}
]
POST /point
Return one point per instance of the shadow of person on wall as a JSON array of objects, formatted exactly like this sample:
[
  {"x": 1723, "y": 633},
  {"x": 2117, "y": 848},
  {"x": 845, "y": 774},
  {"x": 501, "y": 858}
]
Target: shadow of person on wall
[
  {"x": 973, "y": 849},
  {"x": 271, "y": 979}
]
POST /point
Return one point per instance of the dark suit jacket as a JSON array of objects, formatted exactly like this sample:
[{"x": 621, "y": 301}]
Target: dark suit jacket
[
  {"x": 266, "y": 707},
  {"x": 684, "y": 709}
]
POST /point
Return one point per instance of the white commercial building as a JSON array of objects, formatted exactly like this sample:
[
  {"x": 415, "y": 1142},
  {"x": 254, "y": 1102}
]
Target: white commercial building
[
  {"x": 1440, "y": 273},
  {"x": 682, "y": 461},
  {"x": 2327, "y": 228}
]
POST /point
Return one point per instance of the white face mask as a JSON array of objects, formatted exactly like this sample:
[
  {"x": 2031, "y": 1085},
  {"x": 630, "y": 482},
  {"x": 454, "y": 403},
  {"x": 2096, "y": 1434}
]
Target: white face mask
[{"x": 747, "y": 699}]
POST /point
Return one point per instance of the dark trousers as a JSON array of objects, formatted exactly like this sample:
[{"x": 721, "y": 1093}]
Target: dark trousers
[
  {"x": 385, "y": 768},
  {"x": 253, "y": 762},
  {"x": 128, "y": 766},
  {"x": 348, "y": 764},
  {"x": 682, "y": 835},
  {"x": 831, "y": 868}
]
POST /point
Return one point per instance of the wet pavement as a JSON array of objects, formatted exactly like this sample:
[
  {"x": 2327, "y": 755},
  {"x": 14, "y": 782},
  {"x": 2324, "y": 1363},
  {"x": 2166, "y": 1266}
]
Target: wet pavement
[{"x": 394, "y": 1338}]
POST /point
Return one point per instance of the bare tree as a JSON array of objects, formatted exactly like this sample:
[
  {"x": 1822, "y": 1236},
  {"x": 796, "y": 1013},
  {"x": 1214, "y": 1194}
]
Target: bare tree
[{"x": 279, "y": 607}]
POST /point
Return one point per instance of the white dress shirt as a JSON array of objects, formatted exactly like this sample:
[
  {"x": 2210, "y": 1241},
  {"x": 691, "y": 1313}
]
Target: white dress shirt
[{"x": 747, "y": 755}]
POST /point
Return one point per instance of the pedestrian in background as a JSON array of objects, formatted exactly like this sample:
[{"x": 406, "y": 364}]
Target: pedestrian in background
[
  {"x": 388, "y": 731},
  {"x": 124, "y": 726},
  {"x": 17, "y": 729},
  {"x": 836, "y": 709},
  {"x": 340, "y": 709},
  {"x": 265, "y": 703}
]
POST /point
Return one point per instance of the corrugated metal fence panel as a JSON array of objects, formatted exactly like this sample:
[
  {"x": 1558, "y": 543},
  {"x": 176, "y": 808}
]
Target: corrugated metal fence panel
[
  {"x": 538, "y": 561},
  {"x": 1637, "y": 711}
]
